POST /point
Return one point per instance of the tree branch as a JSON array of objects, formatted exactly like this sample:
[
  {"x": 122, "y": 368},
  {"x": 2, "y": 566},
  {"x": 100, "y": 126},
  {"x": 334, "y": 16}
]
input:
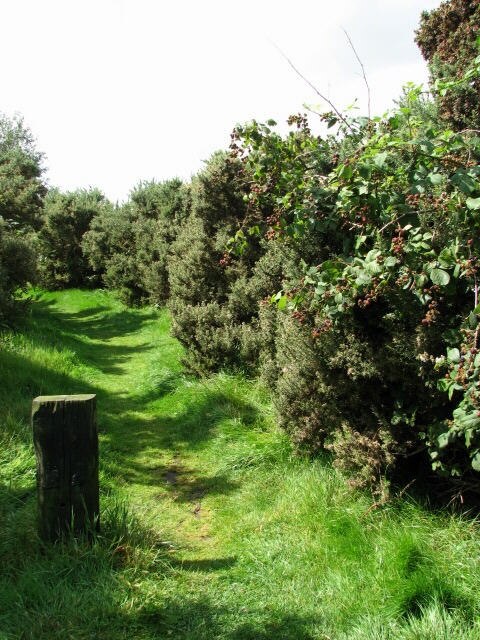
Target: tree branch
[
  {"x": 312, "y": 86},
  {"x": 362, "y": 67}
]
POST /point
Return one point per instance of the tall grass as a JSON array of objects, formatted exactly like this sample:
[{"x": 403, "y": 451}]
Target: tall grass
[{"x": 211, "y": 527}]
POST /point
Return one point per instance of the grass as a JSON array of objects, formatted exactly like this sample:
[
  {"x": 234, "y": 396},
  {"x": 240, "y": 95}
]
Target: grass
[{"x": 211, "y": 528}]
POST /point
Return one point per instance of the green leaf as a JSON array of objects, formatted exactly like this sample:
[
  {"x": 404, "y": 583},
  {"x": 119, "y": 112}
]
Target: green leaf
[
  {"x": 447, "y": 258},
  {"x": 476, "y": 462},
  {"x": 466, "y": 420},
  {"x": 473, "y": 203},
  {"x": 359, "y": 241},
  {"x": 444, "y": 439},
  {"x": 390, "y": 262},
  {"x": 469, "y": 435},
  {"x": 439, "y": 277},
  {"x": 380, "y": 159},
  {"x": 453, "y": 355},
  {"x": 435, "y": 178},
  {"x": 464, "y": 182}
]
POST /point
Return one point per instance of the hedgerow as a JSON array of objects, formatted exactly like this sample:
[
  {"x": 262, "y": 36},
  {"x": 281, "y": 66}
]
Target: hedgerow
[{"x": 378, "y": 346}]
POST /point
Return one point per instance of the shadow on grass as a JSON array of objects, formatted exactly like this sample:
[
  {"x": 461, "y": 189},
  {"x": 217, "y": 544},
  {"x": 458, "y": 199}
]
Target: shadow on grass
[
  {"x": 201, "y": 620},
  {"x": 76, "y": 331}
]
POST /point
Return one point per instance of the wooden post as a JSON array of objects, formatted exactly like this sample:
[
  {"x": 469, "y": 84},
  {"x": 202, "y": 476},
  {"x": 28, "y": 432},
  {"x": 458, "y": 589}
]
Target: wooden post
[{"x": 66, "y": 445}]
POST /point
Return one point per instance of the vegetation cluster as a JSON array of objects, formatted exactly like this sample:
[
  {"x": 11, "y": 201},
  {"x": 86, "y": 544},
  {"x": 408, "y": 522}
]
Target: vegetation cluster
[{"x": 342, "y": 268}]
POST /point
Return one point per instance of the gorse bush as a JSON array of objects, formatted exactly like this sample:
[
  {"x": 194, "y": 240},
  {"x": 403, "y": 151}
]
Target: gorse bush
[
  {"x": 109, "y": 246},
  {"x": 66, "y": 219},
  {"x": 17, "y": 268},
  {"x": 448, "y": 39},
  {"x": 21, "y": 199},
  {"x": 22, "y": 188},
  {"x": 128, "y": 245},
  {"x": 161, "y": 208},
  {"x": 200, "y": 273}
]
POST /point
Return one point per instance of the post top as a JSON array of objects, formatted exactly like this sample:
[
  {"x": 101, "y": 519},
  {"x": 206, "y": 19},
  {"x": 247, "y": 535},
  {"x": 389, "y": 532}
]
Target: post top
[{"x": 80, "y": 397}]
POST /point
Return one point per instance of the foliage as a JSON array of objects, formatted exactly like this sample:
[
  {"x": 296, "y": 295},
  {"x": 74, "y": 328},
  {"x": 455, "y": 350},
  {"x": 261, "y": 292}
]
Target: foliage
[
  {"x": 392, "y": 286},
  {"x": 21, "y": 196},
  {"x": 66, "y": 219},
  {"x": 161, "y": 208},
  {"x": 210, "y": 316},
  {"x": 17, "y": 269},
  {"x": 109, "y": 246},
  {"x": 448, "y": 40},
  {"x": 129, "y": 244},
  {"x": 21, "y": 186}
]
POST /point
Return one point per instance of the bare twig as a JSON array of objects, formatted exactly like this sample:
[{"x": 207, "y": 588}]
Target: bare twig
[
  {"x": 406, "y": 487},
  {"x": 362, "y": 67},
  {"x": 312, "y": 86}
]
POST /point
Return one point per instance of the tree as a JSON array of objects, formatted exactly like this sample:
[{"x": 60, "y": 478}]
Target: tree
[{"x": 21, "y": 185}]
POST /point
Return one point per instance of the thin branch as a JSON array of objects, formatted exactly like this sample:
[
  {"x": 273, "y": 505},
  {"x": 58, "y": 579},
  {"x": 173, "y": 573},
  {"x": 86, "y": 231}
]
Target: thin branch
[
  {"x": 312, "y": 86},
  {"x": 362, "y": 67}
]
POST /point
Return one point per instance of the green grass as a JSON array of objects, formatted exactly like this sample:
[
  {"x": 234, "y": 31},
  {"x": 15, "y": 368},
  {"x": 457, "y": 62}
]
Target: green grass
[{"x": 211, "y": 528}]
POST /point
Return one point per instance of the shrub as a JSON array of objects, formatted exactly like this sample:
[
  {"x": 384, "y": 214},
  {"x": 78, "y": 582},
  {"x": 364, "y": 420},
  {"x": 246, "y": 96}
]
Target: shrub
[
  {"x": 21, "y": 185},
  {"x": 161, "y": 207},
  {"x": 110, "y": 248},
  {"x": 17, "y": 269},
  {"x": 202, "y": 274},
  {"x": 128, "y": 245},
  {"x": 66, "y": 219},
  {"x": 448, "y": 40},
  {"x": 21, "y": 199},
  {"x": 376, "y": 342}
]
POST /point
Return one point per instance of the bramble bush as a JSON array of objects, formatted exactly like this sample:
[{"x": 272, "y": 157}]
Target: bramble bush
[{"x": 377, "y": 349}]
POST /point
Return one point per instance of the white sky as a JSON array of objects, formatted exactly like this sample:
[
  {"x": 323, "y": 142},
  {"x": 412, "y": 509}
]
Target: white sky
[{"x": 118, "y": 91}]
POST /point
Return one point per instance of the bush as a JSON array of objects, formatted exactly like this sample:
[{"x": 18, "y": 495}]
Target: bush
[
  {"x": 21, "y": 199},
  {"x": 21, "y": 186},
  {"x": 110, "y": 248},
  {"x": 201, "y": 273},
  {"x": 161, "y": 208},
  {"x": 17, "y": 269},
  {"x": 128, "y": 245},
  {"x": 375, "y": 345},
  {"x": 66, "y": 219},
  {"x": 447, "y": 38}
]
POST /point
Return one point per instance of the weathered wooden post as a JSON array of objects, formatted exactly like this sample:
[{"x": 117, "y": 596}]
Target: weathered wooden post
[{"x": 66, "y": 446}]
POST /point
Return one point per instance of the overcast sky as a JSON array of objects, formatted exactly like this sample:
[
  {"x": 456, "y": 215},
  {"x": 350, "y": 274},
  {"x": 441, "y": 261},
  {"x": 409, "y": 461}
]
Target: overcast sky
[{"x": 118, "y": 91}]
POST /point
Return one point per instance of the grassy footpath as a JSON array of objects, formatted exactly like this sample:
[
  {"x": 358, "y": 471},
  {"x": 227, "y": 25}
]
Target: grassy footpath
[{"x": 211, "y": 529}]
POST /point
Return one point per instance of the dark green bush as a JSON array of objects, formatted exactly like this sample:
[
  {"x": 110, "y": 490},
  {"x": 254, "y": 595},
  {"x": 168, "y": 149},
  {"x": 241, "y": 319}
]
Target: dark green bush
[
  {"x": 202, "y": 274},
  {"x": 110, "y": 248},
  {"x": 21, "y": 199},
  {"x": 17, "y": 269},
  {"x": 21, "y": 185},
  {"x": 128, "y": 245},
  {"x": 66, "y": 219},
  {"x": 161, "y": 208}
]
